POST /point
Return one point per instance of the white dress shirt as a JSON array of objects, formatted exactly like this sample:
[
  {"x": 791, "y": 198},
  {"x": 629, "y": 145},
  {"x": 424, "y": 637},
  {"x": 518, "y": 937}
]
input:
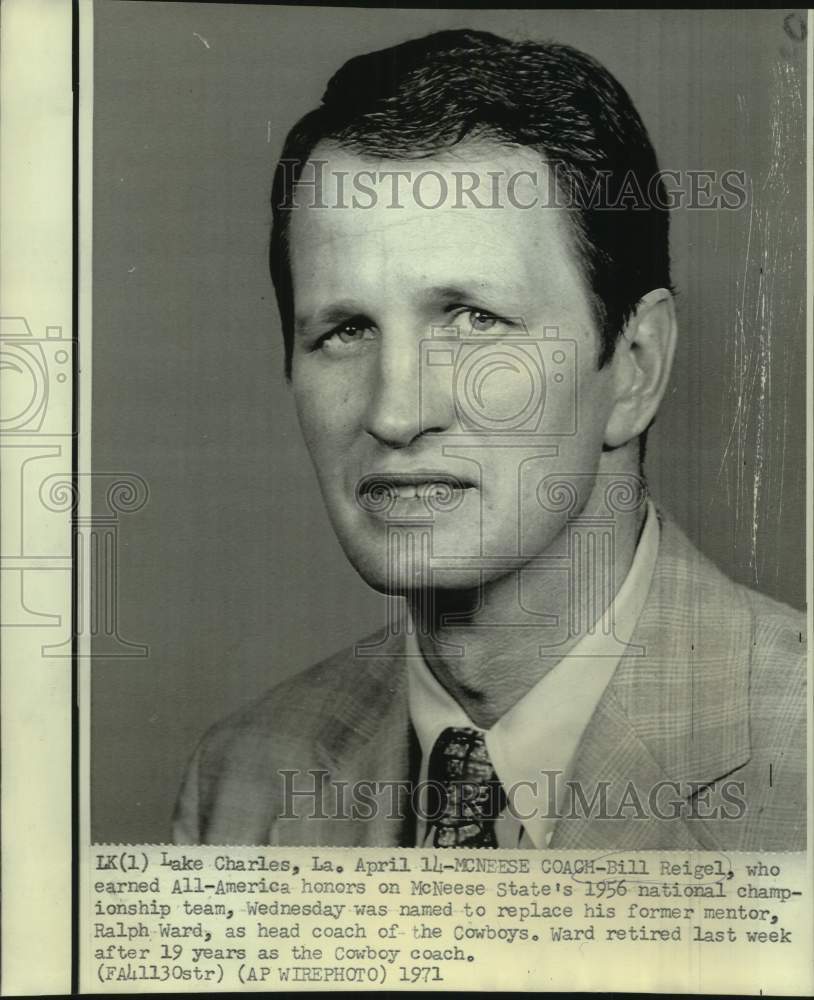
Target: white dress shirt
[{"x": 540, "y": 733}]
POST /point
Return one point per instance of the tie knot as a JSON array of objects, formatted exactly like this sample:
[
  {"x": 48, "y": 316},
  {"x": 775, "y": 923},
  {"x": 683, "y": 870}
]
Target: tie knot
[{"x": 471, "y": 794}]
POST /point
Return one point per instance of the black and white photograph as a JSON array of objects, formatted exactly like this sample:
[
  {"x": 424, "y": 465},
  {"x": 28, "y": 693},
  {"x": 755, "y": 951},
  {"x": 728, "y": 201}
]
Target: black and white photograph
[
  {"x": 406, "y": 497},
  {"x": 461, "y": 355}
]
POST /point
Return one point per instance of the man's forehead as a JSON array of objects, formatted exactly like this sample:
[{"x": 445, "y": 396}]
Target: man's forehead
[
  {"x": 474, "y": 199},
  {"x": 377, "y": 246},
  {"x": 476, "y": 173}
]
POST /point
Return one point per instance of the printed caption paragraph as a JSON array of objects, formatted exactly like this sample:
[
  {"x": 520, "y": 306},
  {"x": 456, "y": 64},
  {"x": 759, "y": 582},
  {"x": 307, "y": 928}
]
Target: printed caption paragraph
[{"x": 161, "y": 918}]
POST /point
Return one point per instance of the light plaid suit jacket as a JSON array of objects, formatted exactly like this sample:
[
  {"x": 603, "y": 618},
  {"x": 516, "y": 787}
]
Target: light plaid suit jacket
[{"x": 717, "y": 698}]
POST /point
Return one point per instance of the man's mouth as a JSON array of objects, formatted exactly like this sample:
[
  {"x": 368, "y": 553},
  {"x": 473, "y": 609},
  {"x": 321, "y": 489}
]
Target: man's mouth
[{"x": 376, "y": 490}]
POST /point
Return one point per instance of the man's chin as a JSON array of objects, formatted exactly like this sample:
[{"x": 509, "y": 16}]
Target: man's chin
[{"x": 409, "y": 577}]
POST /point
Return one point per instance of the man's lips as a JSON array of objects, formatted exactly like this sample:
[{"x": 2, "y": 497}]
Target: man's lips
[{"x": 379, "y": 487}]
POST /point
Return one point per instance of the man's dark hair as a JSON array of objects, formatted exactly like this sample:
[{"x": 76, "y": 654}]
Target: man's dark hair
[{"x": 427, "y": 95}]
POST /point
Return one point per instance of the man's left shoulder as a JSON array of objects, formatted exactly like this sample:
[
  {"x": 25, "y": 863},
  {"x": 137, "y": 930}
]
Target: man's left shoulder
[
  {"x": 774, "y": 780},
  {"x": 747, "y": 688},
  {"x": 692, "y": 591},
  {"x": 777, "y": 680},
  {"x": 778, "y": 640}
]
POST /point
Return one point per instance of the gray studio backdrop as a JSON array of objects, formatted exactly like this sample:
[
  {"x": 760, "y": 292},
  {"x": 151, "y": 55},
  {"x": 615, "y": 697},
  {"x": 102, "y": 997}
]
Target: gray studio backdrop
[{"x": 230, "y": 573}]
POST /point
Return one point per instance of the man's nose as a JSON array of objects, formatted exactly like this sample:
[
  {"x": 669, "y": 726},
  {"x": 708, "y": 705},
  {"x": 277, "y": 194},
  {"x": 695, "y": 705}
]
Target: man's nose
[{"x": 410, "y": 398}]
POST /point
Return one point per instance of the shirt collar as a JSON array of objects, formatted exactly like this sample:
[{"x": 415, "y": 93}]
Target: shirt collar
[{"x": 543, "y": 729}]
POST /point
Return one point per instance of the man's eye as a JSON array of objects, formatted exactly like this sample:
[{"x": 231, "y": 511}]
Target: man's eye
[
  {"x": 347, "y": 335},
  {"x": 479, "y": 320}
]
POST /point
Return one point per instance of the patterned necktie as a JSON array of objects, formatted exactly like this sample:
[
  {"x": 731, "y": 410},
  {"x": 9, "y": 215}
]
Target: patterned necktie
[{"x": 471, "y": 796}]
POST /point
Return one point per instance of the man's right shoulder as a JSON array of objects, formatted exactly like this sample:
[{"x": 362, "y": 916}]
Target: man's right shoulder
[
  {"x": 228, "y": 794},
  {"x": 297, "y": 707}
]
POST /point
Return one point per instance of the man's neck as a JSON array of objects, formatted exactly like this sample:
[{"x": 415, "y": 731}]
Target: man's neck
[{"x": 501, "y": 659}]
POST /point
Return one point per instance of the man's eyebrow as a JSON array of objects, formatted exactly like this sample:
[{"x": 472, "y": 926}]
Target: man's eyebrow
[
  {"x": 333, "y": 312},
  {"x": 461, "y": 293}
]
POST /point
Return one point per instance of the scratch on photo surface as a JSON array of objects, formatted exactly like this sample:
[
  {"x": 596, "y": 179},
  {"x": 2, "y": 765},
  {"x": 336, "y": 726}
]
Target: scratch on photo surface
[
  {"x": 756, "y": 435},
  {"x": 202, "y": 39}
]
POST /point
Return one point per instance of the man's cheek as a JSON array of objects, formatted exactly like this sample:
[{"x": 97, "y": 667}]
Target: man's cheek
[{"x": 315, "y": 409}]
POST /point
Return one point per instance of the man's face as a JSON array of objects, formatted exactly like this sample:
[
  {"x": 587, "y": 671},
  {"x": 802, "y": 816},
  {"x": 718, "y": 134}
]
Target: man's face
[{"x": 443, "y": 352}]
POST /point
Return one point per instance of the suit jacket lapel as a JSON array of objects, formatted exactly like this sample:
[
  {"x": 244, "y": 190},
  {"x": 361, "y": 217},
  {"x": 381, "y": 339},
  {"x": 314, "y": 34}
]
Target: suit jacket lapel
[
  {"x": 678, "y": 712},
  {"x": 384, "y": 759},
  {"x": 607, "y": 804},
  {"x": 366, "y": 753}
]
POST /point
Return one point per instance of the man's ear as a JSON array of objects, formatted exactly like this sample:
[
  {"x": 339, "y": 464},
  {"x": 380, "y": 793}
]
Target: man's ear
[{"x": 641, "y": 367}]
